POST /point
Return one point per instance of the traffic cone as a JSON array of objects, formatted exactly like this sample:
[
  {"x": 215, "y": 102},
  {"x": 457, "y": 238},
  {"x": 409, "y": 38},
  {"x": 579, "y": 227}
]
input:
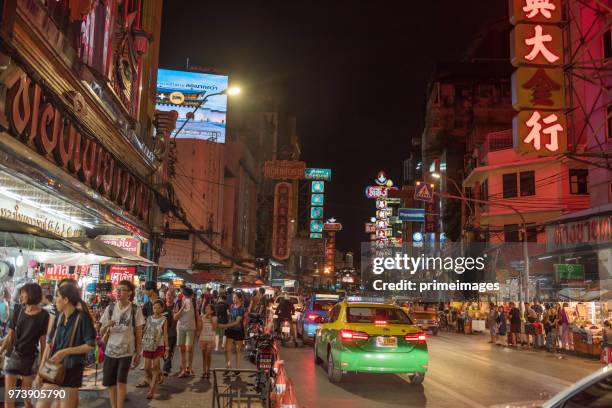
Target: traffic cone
[
  {"x": 281, "y": 381},
  {"x": 289, "y": 400},
  {"x": 277, "y": 365}
]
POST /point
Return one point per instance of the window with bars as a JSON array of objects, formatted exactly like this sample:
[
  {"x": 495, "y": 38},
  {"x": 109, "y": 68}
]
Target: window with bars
[{"x": 579, "y": 181}]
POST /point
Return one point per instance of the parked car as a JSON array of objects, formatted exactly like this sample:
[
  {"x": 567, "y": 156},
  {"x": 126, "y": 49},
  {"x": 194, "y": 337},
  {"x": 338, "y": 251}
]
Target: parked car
[{"x": 428, "y": 320}]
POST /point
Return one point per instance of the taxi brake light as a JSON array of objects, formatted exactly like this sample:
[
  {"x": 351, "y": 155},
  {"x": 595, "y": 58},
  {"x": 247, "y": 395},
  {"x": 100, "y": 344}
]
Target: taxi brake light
[
  {"x": 353, "y": 335},
  {"x": 380, "y": 322},
  {"x": 419, "y": 337},
  {"x": 312, "y": 316}
]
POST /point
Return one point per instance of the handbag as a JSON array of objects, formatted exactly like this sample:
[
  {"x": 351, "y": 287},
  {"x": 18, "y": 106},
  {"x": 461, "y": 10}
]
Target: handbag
[{"x": 54, "y": 372}]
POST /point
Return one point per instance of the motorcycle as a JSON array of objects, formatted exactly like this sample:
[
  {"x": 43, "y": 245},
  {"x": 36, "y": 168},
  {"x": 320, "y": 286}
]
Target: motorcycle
[
  {"x": 285, "y": 331},
  {"x": 254, "y": 330}
]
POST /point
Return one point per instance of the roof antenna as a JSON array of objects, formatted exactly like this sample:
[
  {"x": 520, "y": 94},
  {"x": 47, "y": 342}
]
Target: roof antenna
[{"x": 188, "y": 63}]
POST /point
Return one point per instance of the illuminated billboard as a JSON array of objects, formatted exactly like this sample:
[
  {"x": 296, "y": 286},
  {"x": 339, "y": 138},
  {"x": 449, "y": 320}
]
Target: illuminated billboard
[{"x": 183, "y": 91}]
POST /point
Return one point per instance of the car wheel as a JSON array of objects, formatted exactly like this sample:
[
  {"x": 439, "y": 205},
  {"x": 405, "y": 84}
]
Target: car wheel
[
  {"x": 417, "y": 378},
  {"x": 316, "y": 358},
  {"x": 333, "y": 374}
]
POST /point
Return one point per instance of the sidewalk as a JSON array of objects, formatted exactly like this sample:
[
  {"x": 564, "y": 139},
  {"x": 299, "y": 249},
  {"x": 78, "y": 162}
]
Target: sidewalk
[{"x": 179, "y": 392}]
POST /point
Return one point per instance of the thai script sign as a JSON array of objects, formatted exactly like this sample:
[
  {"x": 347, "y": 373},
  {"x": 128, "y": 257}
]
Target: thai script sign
[
  {"x": 119, "y": 273},
  {"x": 125, "y": 242},
  {"x": 284, "y": 169}
]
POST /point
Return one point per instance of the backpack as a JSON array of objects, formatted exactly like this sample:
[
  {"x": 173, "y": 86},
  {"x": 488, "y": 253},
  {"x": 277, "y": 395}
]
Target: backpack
[{"x": 150, "y": 339}]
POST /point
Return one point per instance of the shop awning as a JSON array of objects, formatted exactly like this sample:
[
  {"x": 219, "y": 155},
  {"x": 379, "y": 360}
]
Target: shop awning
[
  {"x": 172, "y": 274},
  {"x": 115, "y": 255},
  {"x": 15, "y": 234}
]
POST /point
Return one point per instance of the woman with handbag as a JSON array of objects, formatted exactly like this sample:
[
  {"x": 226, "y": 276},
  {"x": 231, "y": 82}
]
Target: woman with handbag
[
  {"x": 68, "y": 344},
  {"x": 26, "y": 329}
]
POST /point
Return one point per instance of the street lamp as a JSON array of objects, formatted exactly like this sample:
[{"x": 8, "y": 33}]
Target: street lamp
[{"x": 231, "y": 91}]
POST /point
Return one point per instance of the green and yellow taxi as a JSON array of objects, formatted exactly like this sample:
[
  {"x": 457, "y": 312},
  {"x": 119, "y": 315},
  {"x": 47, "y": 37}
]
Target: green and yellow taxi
[{"x": 369, "y": 336}]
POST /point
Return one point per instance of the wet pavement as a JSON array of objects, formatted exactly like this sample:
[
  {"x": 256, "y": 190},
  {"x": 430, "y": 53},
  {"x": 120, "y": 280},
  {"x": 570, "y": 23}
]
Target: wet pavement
[{"x": 464, "y": 371}]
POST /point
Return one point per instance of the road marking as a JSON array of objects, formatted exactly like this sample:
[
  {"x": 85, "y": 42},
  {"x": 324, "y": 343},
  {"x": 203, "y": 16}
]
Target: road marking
[{"x": 444, "y": 388}]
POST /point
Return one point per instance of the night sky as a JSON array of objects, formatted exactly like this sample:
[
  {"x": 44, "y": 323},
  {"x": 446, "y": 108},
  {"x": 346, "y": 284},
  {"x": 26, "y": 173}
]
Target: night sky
[{"x": 353, "y": 72}]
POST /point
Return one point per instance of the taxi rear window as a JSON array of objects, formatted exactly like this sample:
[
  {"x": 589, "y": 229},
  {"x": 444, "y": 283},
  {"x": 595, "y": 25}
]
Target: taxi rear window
[
  {"x": 323, "y": 305},
  {"x": 362, "y": 314}
]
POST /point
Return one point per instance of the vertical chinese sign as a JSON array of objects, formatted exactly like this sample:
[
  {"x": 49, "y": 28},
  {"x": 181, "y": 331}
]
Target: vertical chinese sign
[
  {"x": 281, "y": 234},
  {"x": 538, "y": 85},
  {"x": 330, "y": 252}
]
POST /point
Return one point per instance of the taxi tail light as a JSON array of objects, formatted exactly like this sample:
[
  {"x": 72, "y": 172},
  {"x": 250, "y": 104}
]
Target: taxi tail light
[
  {"x": 353, "y": 335},
  {"x": 419, "y": 337},
  {"x": 312, "y": 317}
]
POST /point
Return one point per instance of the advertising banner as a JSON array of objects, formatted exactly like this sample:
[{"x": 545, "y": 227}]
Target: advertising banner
[
  {"x": 284, "y": 169},
  {"x": 118, "y": 273},
  {"x": 569, "y": 273},
  {"x": 57, "y": 272},
  {"x": 125, "y": 242},
  {"x": 183, "y": 92}
]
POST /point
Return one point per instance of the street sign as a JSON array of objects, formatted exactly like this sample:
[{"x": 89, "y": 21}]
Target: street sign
[
  {"x": 423, "y": 192},
  {"x": 317, "y": 174},
  {"x": 412, "y": 214}
]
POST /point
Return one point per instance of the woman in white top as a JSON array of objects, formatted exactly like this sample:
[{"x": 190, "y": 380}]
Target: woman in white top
[{"x": 207, "y": 338}]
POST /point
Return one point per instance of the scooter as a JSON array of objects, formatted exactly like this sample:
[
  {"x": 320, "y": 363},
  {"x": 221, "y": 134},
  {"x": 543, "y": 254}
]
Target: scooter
[
  {"x": 285, "y": 334},
  {"x": 254, "y": 330}
]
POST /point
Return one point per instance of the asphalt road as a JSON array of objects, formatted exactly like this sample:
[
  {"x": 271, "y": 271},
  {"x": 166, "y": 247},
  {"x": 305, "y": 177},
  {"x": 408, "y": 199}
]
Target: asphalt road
[{"x": 464, "y": 371}]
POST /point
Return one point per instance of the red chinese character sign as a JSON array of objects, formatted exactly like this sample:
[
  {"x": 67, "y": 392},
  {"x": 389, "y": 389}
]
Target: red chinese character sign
[
  {"x": 538, "y": 88},
  {"x": 540, "y": 132},
  {"x": 281, "y": 234},
  {"x": 538, "y": 85},
  {"x": 535, "y": 11},
  {"x": 536, "y": 45}
]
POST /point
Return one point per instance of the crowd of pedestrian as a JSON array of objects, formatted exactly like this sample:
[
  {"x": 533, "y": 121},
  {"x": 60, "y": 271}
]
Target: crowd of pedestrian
[
  {"x": 50, "y": 340},
  {"x": 536, "y": 326}
]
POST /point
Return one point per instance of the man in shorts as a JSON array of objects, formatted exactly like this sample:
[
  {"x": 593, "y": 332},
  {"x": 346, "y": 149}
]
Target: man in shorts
[
  {"x": 122, "y": 325},
  {"x": 188, "y": 321}
]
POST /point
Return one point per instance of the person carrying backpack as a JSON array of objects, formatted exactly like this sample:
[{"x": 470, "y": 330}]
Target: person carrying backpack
[{"x": 122, "y": 324}]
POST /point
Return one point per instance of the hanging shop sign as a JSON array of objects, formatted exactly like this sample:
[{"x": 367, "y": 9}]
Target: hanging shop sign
[
  {"x": 19, "y": 211},
  {"x": 32, "y": 116},
  {"x": 281, "y": 234},
  {"x": 330, "y": 252},
  {"x": 332, "y": 225},
  {"x": 316, "y": 235},
  {"x": 317, "y": 187},
  {"x": 538, "y": 84},
  {"x": 535, "y": 11},
  {"x": 125, "y": 242},
  {"x": 316, "y": 226},
  {"x": 431, "y": 222},
  {"x": 316, "y": 213},
  {"x": 376, "y": 192},
  {"x": 57, "y": 272},
  {"x": 317, "y": 174},
  {"x": 317, "y": 199},
  {"x": 118, "y": 273},
  {"x": 596, "y": 230},
  {"x": 284, "y": 169},
  {"x": 370, "y": 227}
]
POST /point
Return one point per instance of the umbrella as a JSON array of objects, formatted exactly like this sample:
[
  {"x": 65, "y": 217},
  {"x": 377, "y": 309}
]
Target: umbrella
[
  {"x": 115, "y": 255},
  {"x": 15, "y": 234}
]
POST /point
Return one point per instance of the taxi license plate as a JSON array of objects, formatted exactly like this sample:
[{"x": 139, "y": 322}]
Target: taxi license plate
[
  {"x": 286, "y": 329},
  {"x": 386, "y": 342}
]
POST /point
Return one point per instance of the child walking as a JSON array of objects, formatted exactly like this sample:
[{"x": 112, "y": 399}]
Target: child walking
[
  {"x": 207, "y": 338},
  {"x": 155, "y": 345}
]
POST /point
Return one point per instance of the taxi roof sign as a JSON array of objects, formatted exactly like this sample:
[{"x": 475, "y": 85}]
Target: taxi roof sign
[
  {"x": 365, "y": 299},
  {"x": 326, "y": 296}
]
